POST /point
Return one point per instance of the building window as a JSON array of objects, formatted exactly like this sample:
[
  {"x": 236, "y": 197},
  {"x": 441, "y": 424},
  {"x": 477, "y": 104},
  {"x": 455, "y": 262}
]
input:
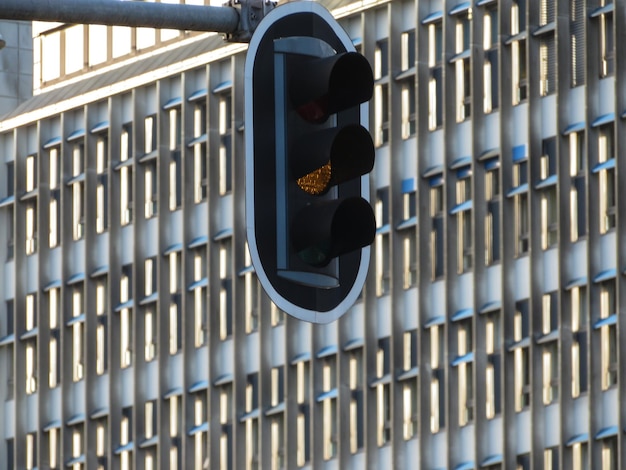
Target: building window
[
  {"x": 78, "y": 190},
  {"x": 200, "y": 177},
  {"x": 150, "y": 134},
  {"x": 126, "y": 175},
  {"x": 549, "y": 330},
  {"x": 518, "y": 51},
  {"x": 54, "y": 347},
  {"x": 102, "y": 190},
  {"x": 381, "y": 109},
  {"x": 303, "y": 418},
  {"x": 31, "y": 366},
  {"x": 381, "y": 59},
  {"x": 578, "y": 204},
  {"x": 175, "y": 309},
  {"x": 381, "y": 92},
  {"x": 492, "y": 214},
  {"x": 462, "y": 67},
  {"x": 150, "y": 419},
  {"x": 226, "y": 288},
  {"x": 383, "y": 392},
  {"x": 407, "y": 42},
  {"x": 356, "y": 410},
  {"x": 436, "y": 234},
  {"x": 547, "y": 185},
  {"x": 463, "y": 212},
  {"x": 409, "y": 385},
  {"x": 580, "y": 456},
  {"x": 54, "y": 214},
  {"x": 175, "y": 165},
  {"x": 31, "y": 345},
  {"x": 201, "y": 325},
  {"x": 10, "y": 174},
  {"x": 126, "y": 437},
  {"x": 7, "y": 361},
  {"x": 78, "y": 333},
  {"x": 435, "y": 82},
  {"x": 54, "y": 447},
  {"x": 78, "y": 440},
  {"x": 31, "y": 173},
  {"x": 522, "y": 462},
  {"x": 7, "y": 327},
  {"x": 493, "y": 405},
  {"x": 226, "y": 142},
  {"x": 464, "y": 364},
  {"x": 31, "y": 312},
  {"x": 607, "y": 325},
  {"x": 490, "y": 65},
  {"x": 150, "y": 335},
  {"x": 101, "y": 328},
  {"x": 521, "y": 207},
  {"x": 551, "y": 458},
  {"x": 606, "y": 177},
  {"x": 577, "y": 42},
  {"x": 383, "y": 267},
  {"x": 101, "y": 441},
  {"x": 252, "y": 422},
  {"x": 151, "y": 197},
  {"x": 9, "y": 229},
  {"x": 200, "y": 437},
  {"x": 578, "y": 302},
  {"x": 277, "y": 316},
  {"x": 609, "y": 453},
  {"x": 277, "y": 441},
  {"x": 226, "y": 425},
  {"x": 98, "y": 35},
  {"x": 175, "y": 409},
  {"x": 31, "y": 227},
  {"x": 521, "y": 373},
  {"x": 125, "y": 309},
  {"x": 547, "y": 48},
  {"x": 550, "y": 378},
  {"x": 277, "y": 391},
  {"x": 31, "y": 451},
  {"x": 607, "y": 46},
  {"x": 408, "y": 233},
  {"x": 437, "y": 384},
  {"x": 328, "y": 400},
  {"x": 408, "y": 108},
  {"x": 252, "y": 295}
]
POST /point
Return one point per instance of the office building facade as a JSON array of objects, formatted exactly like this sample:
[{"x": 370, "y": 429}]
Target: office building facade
[{"x": 134, "y": 333}]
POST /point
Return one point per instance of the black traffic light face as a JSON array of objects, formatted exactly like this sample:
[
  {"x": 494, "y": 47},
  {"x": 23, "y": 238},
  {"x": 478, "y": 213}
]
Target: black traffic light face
[{"x": 309, "y": 222}]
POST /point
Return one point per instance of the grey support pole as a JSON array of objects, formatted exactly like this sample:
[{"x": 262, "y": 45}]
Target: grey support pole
[{"x": 124, "y": 13}]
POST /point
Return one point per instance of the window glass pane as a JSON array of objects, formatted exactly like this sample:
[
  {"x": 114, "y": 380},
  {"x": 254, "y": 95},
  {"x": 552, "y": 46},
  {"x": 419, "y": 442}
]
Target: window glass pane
[
  {"x": 122, "y": 41},
  {"x": 74, "y": 48},
  {"x": 98, "y": 44}
]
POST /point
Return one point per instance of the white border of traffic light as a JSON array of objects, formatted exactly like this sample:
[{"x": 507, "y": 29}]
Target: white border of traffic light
[{"x": 282, "y": 303}]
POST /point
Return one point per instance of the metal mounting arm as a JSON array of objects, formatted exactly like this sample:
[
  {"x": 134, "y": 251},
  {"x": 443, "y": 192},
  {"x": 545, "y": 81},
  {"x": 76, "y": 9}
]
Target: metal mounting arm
[{"x": 237, "y": 20}]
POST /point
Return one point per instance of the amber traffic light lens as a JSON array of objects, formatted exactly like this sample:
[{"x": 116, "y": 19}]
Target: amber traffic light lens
[{"x": 317, "y": 181}]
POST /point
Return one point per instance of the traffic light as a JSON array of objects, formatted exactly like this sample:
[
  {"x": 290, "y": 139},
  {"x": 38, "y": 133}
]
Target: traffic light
[{"x": 309, "y": 221}]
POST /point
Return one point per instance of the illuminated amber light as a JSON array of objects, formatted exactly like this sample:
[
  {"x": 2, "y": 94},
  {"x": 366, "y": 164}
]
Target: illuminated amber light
[{"x": 317, "y": 181}]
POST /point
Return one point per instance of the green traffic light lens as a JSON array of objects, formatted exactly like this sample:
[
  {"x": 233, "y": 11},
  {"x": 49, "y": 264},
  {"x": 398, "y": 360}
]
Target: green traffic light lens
[{"x": 316, "y": 182}]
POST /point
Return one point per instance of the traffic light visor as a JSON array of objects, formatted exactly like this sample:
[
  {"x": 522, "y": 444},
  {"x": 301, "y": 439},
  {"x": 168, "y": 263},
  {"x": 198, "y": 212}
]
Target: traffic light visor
[
  {"x": 331, "y": 156},
  {"x": 327, "y": 229},
  {"x": 324, "y": 86}
]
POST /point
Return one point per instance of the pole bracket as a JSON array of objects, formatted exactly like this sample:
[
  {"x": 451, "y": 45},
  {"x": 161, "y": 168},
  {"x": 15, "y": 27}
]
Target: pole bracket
[{"x": 251, "y": 12}]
